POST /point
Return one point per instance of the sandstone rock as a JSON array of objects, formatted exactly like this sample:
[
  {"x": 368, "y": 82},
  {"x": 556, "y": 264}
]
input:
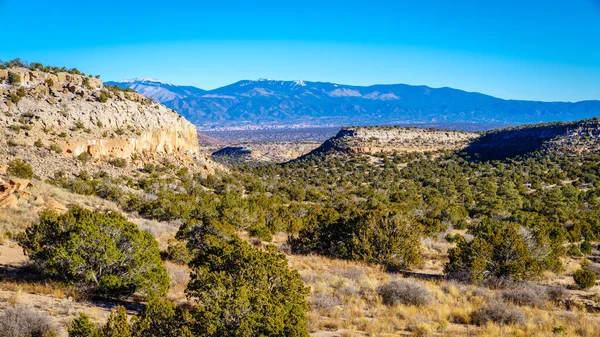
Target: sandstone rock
[
  {"x": 39, "y": 200},
  {"x": 2, "y": 169},
  {"x": 20, "y": 184},
  {"x": 9, "y": 201},
  {"x": 55, "y": 205},
  {"x": 24, "y": 195},
  {"x": 3, "y": 74}
]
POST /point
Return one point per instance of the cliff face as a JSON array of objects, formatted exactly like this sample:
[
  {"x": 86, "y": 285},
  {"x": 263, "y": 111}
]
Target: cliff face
[
  {"x": 566, "y": 138},
  {"x": 79, "y": 115},
  {"x": 373, "y": 140},
  {"x": 51, "y": 119}
]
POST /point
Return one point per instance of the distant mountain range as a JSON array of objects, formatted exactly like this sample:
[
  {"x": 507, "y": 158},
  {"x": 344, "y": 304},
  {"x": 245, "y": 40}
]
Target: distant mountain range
[{"x": 272, "y": 103}]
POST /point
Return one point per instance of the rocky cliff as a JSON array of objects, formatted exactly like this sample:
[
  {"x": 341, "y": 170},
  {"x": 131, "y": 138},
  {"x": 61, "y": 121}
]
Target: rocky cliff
[
  {"x": 71, "y": 114},
  {"x": 386, "y": 139},
  {"x": 565, "y": 138}
]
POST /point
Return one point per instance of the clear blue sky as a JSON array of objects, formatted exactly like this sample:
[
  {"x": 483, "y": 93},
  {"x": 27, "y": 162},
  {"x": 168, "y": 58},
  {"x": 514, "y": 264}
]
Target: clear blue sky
[{"x": 526, "y": 49}]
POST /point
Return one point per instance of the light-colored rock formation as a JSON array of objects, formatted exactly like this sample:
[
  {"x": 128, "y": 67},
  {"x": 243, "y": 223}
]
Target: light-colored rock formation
[
  {"x": 73, "y": 114},
  {"x": 387, "y": 139}
]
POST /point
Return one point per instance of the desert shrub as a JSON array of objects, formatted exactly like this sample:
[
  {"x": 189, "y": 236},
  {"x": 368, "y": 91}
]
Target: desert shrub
[
  {"x": 21, "y": 92},
  {"x": 118, "y": 162},
  {"x": 574, "y": 251},
  {"x": 50, "y": 82},
  {"x": 117, "y": 325},
  {"x": 499, "y": 251},
  {"x": 101, "y": 253},
  {"x": 324, "y": 301},
  {"x": 84, "y": 157},
  {"x": 526, "y": 294},
  {"x": 14, "y": 78},
  {"x": 38, "y": 143},
  {"x": 557, "y": 294},
  {"x": 498, "y": 312},
  {"x": 178, "y": 252},
  {"x": 23, "y": 322},
  {"x": 82, "y": 326},
  {"x": 20, "y": 168},
  {"x": 103, "y": 97},
  {"x": 244, "y": 291},
  {"x": 261, "y": 232},
  {"x": 13, "y": 97},
  {"x": 585, "y": 247},
  {"x": 55, "y": 148},
  {"x": 584, "y": 278},
  {"x": 403, "y": 292}
]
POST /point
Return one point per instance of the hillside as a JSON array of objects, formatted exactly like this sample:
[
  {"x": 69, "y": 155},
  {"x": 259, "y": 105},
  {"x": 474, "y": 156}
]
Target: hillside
[
  {"x": 264, "y": 103},
  {"x": 563, "y": 138},
  {"x": 52, "y": 118}
]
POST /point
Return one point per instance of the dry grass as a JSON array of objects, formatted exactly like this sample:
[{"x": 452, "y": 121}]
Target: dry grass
[{"x": 344, "y": 302}]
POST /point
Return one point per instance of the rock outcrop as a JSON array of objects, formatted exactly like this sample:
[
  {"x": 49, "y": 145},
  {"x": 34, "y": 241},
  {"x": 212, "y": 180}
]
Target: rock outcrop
[
  {"x": 70, "y": 115},
  {"x": 387, "y": 139}
]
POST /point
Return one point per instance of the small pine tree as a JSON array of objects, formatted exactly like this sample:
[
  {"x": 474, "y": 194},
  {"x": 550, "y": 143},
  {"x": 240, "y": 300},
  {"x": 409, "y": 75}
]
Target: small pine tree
[
  {"x": 82, "y": 326},
  {"x": 584, "y": 278},
  {"x": 117, "y": 325}
]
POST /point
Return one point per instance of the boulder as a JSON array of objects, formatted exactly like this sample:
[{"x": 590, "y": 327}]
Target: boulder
[
  {"x": 8, "y": 201},
  {"x": 2, "y": 169},
  {"x": 20, "y": 184},
  {"x": 72, "y": 88},
  {"x": 3, "y": 74},
  {"x": 39, "y": 200},
  {"x": 55, "y": 205}
]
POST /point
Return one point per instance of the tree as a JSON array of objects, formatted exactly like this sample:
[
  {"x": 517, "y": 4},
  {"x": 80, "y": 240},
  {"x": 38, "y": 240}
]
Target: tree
[
  {"x": 499, "y": 250},
  {"x": 374, "y": 236},
  {"x": 244, "y": 291},
  {"x": 101, "y": 253}
]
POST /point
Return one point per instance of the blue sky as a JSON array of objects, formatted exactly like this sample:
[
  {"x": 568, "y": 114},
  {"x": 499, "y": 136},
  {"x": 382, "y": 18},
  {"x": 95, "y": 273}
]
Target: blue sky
[{"x": 543, "y": 50}]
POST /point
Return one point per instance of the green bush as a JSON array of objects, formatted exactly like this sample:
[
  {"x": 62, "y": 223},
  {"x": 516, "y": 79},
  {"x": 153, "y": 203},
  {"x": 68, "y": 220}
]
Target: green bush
[
  {"x": 50, "y": 82},
  {"x": 13, "y": 97},
  {"x": 55, "y": 148},
  {"x": 162, "y": 319},
  {"x": 101, "y": 253},
  {"x": 82, "y": 326},
  {"x": 38, "y": 143},
  {"x": 178, "y": 252},
  {"x": 585, "y": 247},
  {"x": 20, "y": 168},
  {"x": 103, "y": 97},
  {"x": 14, "y": 78},
  {"x": 84, "y": 157},
  {"x": 584, "y": 278},
  {"x": 118, "y": 162},
  {"x": 117, "y": 325},
  {"x": 21, "y": 92},
  {"x": 498, "y": 251},
  {"x": 261, "y": 232},
  {"x": 244, "y": 291}
]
